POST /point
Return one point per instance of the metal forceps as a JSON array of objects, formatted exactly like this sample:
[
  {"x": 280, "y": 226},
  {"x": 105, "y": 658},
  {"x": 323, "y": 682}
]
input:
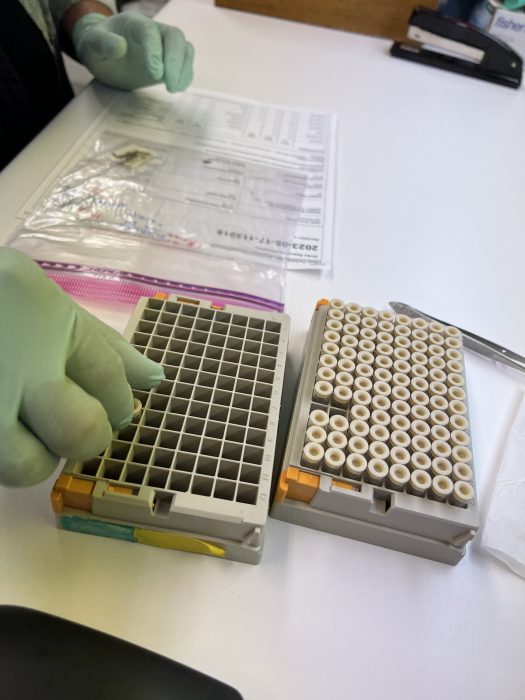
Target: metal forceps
[{"x": 476, "y": 343}]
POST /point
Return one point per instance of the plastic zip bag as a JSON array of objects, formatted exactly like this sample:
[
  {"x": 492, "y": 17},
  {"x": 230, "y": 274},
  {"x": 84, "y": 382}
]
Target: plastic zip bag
[{"x": 134, "y": 214}]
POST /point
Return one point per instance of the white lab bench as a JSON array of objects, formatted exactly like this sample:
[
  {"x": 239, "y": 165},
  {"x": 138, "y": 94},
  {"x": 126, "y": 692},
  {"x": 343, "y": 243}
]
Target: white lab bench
[{"x": 430, "y": 183}]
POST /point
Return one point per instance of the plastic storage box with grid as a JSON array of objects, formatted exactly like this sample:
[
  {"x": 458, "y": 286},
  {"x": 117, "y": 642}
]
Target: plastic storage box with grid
[
  {"x": 379, "y": 447},
  {"x": 193, "y": 471}
]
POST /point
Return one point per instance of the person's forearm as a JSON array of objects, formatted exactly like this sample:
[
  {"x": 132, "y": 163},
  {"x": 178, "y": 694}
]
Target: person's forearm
[
  {"x": 78, "y": 8},
  {"x": 84, "y": 7}
]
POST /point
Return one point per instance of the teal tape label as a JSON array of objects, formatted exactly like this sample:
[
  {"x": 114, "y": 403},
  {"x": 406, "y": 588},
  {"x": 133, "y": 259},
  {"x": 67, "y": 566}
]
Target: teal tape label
[{"x": 74, "y": 523}]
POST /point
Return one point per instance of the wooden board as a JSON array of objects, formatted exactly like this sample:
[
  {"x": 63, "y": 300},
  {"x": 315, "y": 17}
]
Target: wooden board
[{"x": 387, "y": 18}]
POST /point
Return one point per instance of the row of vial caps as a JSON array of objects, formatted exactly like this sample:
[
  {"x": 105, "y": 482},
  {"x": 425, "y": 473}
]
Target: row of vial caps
[{"x": 382, "y": 463}]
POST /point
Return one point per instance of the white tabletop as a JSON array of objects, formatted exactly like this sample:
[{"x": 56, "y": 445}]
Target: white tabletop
[{"x": 429, "y": 211}]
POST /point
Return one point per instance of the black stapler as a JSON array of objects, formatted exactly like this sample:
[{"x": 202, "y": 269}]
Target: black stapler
[{"x": 448, "y": 43}]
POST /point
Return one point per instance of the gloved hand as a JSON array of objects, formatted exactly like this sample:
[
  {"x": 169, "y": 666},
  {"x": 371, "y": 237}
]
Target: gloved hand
[
  {"x": 129, "y": 51},
  {"x": 63, "y": 375}
]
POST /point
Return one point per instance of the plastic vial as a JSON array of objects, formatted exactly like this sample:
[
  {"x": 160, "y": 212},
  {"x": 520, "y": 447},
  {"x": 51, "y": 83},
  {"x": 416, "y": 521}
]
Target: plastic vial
[
  {"x": 419, "y": 323},
  {"x": 440, "y": 448},
  {"x": 362, "y": 397},
  {"x": 381, "y": 403},
  {"x": 333, "y": 325},
  {"x": 376, "y": 471},
  {"x": 323, "y": 390},
  {"x": 462, "y": 472},
  {"x": 436, "y": 339},
  {"x": 384, "y": 361},
  {"x": 333, "y": 460},
  {"x": 386, "y": 315},
  {"x": 349, "y": 341},
  {"x": 438, "y": 403},
  {"x": 355, "y": 466},
  {"x": 455, "y": 366},
  {"x": 401, "y": 341},
  {"x": 331, "y": 336},
  {"x": 378, "y": 450},
  {"x": 458, "y": 407},
  {"x": 351, "y": 317},
  {"x": 398, "y": 477},
  {"x": 381, "y": 388},
  {"x": 336, "y": 439},
  {"x": 460, "y": 453},
  {"x": 419, "y": 460},
  {"x": 353, "y": 308},
  {"x": 419, "y": 397},
  {"x": 420, "y": 482},
  {"x": 342, "y": 395},
  {"x": 436, "y": 362},
  {"x": 357, "y": 445},
  {"x": 462, "y": 494},
  {"x": 337, "y": 303},
  {"x": 439, "y": 432},
  {"x": 379, "y": 433},
  {"x": 441, "y": 488},
  {"x": 421, "y": 444},
  {"x": 365, "y": 344},
  {"x": 345, "y": 365},
  {"x": 459, "y": 437},
  {"x": 440, "y": 467},
  {"x": 419, "y": 358},
  {"x": 399, "y": 438},
  {"x": 419, "y": 427},
  {"x": 351, "y": 329},
  {"x": 379, "y": 417},
  {"x": 363, "y": 370},
  {"x": 402, "y": 355},
  {"x": 399, "y": 455},
  {"x": 347, "y": 353},
  {"x": 327, "y": 360},
  {"x": 318, "y": 417},
  {"x": 384, "y": 349},
  {"x": 419, "y": 371},
  {"x": 438, "y": 418},
  {"x": 339, "y": 423},
  {"x": 344, "y": 379},
  {"x": 458, "y": 422},
  {"x": 383, "y": 337},
  {"x": 400, "y": 423},
  {"x": 360, "y": 412},
  {"x": 400, "y": 408},
  {"x": 400, "y": 393},
  {"x": 137, "y": 409},
  {"x": 418, "y": 384},
  {"x": 312, "y": 455},
  {"x": 369, "y": 322},
  {"x": 386, "y": 326},
  {"x": 401, "y": 378},
  {"x": 365, "y": 357},
  {"x": 437, "y": 375},
  {"x": 359, "y": 428},
  {"x": 316, "y": 434},
  {"x": 330, "y": 348},
  {"x": 420, "y": 413},
  {"x": 325, "y": 374},
  {"x": 456, "y": 393},
  {"x": 337, "y": 314}
]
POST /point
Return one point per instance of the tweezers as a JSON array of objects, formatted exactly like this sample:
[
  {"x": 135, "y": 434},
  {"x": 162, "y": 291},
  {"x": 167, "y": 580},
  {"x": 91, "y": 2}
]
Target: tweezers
[{"x": 476, "y": 343}]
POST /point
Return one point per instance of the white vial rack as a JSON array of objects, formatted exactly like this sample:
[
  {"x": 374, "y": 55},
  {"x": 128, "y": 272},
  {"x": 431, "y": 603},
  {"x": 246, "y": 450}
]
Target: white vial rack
[
  {"x": 379, "y": 447},
  {"x": 193, "y": 470}
]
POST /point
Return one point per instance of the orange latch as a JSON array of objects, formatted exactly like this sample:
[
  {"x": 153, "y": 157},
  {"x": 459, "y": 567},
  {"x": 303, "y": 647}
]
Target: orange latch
[
  {"x": 297, "y": 485},
  {"x": 73, "y": 492}
]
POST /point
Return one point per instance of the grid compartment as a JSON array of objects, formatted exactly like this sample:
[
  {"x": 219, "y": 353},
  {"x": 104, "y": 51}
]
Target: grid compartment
[{"x": 198, "y": 455}]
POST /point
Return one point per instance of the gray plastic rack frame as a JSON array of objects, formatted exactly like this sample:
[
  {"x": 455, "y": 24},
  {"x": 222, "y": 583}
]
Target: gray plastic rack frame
[
  {"x": 327, "y": 491},
  {"x": 194, "y": 470}
]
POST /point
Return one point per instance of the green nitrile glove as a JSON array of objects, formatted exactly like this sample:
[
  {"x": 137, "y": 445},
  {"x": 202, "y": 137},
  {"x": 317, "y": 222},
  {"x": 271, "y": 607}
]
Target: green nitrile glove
[
  {"x": 63, "y": 375},
  {"x": 514, "y": 4},
  {"x": 129, "y": 51}
]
